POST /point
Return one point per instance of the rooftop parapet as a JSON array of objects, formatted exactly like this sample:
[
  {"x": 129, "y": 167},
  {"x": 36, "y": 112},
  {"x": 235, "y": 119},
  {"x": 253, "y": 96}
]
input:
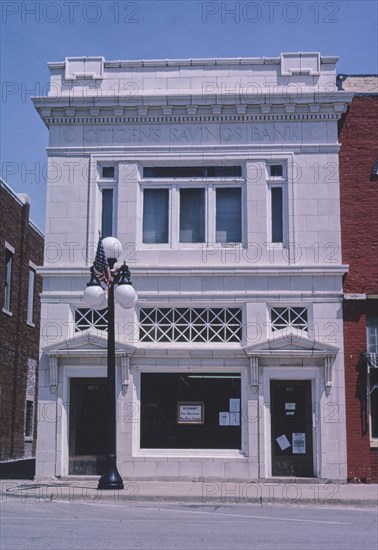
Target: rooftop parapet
[{"x": 97, "y": 77}]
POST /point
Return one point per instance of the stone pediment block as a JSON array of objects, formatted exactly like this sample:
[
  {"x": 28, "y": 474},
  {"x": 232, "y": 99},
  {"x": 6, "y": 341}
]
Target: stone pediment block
[
  {"x": 291, "y": 343},
  {"x": 87, "y": 342},
  {"x": 295, "y": 345}
]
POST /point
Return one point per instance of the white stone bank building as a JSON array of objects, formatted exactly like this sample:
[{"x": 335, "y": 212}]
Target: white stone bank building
[{"x": 220, "y": 179}]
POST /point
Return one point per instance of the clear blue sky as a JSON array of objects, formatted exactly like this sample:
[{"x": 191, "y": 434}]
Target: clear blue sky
[{"x": 36, "y": 32}]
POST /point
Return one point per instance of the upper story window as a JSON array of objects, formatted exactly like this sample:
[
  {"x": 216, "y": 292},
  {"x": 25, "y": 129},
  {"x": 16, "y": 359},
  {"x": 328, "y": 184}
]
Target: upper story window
[
  {"x": 107, "y": 182},
  {"x": 289, "y": 317},
  {"x": 276, "y": 196},
  {"x": 108, "y": 172},
  {"x": 31, "y": 292},
  {"x": 190, "y": 325},
  {"x": 155, "y": 215},
  {"x": 192, "y": 215},
  {"x": 107, "y": 218},
  {"x": 277, "y": 204},
  {"x": 228, "y": 215},
  {"x": 276, "y": 170},
  {"x": 222, "y": 171},
  {"x": 187, "y": 209},
  {"x": 8, "y": 269}
]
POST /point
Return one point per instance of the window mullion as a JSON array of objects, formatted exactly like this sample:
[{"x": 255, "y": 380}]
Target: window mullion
[
  {"x": 210, "y": 214},
  {"x": 174, "y": 216}
]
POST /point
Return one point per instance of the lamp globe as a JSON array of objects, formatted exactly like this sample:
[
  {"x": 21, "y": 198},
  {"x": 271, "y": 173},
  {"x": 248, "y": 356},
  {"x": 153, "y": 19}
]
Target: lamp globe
[
  {"x": 94, "y": 295},
  {"x": 126, "y": 296},
  {"x": 112, "y": 247}
]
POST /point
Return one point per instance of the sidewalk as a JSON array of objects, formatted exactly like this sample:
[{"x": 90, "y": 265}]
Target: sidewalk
[{"x": 200, "y": 492}]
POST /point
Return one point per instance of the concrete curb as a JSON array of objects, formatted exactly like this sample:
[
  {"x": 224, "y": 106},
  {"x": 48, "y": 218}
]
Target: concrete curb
[{"x": 200, "y": 493}]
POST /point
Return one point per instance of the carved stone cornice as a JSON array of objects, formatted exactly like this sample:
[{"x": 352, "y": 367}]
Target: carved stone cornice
[
  {"x": 178, "y": 109},
  {"x": 62, "y": 119}
]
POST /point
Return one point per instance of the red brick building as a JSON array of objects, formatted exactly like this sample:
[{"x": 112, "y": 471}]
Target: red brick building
[
  {"x": 358, "y": 135},
  {"x": 21, "y": 251}
]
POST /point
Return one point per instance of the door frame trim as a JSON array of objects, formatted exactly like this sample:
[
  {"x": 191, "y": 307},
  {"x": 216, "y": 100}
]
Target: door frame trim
[
  {"x": 288, "y": 373},
  {"x": 63, "y": 410}
]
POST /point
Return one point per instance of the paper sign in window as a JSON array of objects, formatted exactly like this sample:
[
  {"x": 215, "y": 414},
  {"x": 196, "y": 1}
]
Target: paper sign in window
[
  {"x": 234, "y": 405},
  {"x": 224, "y": 418},
  {"x": 190, "y": 413},
  {"x": 299, "y": 443},
  {"x": 283, "y": 442},
  {"x": 290, "y": 409},
  {"x": 234, "y": 419}
]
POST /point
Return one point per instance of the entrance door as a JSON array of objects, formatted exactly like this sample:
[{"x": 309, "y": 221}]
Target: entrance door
[
  {"x": 291, "y": 421},
  {"x": 87, "y": 440}
]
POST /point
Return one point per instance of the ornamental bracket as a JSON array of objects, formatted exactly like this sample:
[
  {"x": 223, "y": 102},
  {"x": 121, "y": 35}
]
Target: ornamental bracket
[
  {"x": 53, "y": 364},
  {"x": 254, "y": 372},
  {"x": 328, "y": 362},
  {"x": 125, "y": 363}
]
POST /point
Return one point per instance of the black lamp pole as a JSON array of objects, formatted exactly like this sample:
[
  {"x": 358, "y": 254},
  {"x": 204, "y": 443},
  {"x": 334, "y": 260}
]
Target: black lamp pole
[{"x": 111, "y": 478}]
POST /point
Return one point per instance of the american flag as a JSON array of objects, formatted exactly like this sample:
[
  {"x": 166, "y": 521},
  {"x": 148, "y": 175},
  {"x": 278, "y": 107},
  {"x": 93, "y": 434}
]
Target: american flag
[{"x": 101, "y": 265}]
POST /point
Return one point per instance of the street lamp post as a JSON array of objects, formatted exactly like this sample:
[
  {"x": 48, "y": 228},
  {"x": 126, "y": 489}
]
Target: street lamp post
[{"x": 119, "y": 286}]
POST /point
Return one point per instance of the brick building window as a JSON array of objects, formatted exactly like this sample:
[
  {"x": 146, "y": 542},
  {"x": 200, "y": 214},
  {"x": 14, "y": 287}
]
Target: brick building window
[
  {"x": 289, "y": 317},
  {"x": 373, "y": 380},
  {"x": 8, "y": 268},
  {"x": 372, "y": 355},
  {"x": 31, "y": 291},
  {"x": 190, "y": 325},
  {"x": 29, "y": 418}
]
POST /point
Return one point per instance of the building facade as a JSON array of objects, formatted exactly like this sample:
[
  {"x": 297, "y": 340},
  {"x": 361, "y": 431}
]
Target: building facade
[
  {"x": 220, "y": 178},
  {"x": 358, "y": 136},
  {"x": 21, "y": 252}
]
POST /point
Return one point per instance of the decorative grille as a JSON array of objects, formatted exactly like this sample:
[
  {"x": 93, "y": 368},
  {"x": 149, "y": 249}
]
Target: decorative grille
[
  {"x": 285, "y": 317},
  {"x": 190, "y": 325},
  {"x": 86, "y": 318}
]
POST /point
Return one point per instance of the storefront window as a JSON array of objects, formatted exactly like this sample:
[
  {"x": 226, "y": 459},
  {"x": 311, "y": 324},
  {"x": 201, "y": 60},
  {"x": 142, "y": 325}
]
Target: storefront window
[{"x": 190, "y": 411}]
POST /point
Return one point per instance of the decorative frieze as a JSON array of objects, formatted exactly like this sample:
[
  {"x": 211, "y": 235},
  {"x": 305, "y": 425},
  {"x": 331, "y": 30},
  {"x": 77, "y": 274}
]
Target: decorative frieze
[{"x": 167, "y": 115}]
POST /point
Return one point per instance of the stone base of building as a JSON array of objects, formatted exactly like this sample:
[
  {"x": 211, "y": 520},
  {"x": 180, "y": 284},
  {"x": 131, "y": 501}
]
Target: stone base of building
[{"x": 18, "y": 469}]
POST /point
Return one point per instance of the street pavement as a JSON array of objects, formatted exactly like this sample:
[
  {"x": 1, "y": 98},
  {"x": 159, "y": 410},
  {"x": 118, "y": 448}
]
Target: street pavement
[
  {"x": 204, "y": 492},
  {"x": 58, "y": 525}
]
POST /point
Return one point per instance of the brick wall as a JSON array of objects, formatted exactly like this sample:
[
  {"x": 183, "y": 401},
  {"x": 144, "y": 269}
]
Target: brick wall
[
  {"x": 359, "y": 195},
  {"x": 358, "y": 442},
  {"x": 358, "y": 135},
  {"x": 18, "y": 340}
]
